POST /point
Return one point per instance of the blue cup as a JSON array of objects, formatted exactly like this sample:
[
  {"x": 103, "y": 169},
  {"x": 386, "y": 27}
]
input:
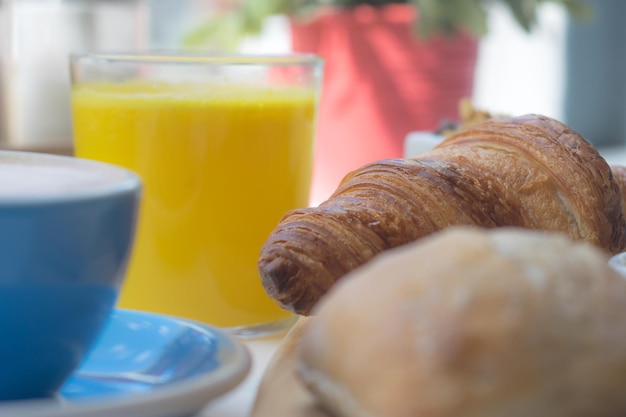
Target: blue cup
[{"x": 66, "y": 233}]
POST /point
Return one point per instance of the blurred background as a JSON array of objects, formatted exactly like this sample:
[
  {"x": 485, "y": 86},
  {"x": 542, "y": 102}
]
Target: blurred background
[{"x": 565, "y": 67}]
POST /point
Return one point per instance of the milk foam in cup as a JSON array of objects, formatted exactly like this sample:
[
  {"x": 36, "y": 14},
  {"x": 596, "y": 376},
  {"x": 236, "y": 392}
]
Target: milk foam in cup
[{"x": 66, "y": 232}]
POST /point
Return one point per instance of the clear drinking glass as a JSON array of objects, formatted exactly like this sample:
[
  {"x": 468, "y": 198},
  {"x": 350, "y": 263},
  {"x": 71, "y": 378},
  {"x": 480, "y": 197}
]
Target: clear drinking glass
[{"x": 224, "y": 146}]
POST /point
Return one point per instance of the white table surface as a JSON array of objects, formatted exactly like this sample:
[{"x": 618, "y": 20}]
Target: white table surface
[{"x": 238, "y": 402}]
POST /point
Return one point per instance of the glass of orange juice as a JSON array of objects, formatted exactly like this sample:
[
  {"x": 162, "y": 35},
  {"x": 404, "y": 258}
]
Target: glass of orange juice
[{"x": 224, "y": 146}]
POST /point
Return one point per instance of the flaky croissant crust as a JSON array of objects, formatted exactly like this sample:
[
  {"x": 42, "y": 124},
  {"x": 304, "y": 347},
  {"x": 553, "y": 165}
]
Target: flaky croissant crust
[{"x": 530, "y": 171}]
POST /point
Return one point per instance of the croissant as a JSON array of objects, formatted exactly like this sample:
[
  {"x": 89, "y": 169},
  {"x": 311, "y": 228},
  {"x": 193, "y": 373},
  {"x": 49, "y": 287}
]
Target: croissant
[
  {"x": 530, "y": 171},
  {"x": 619, "y": 173}
]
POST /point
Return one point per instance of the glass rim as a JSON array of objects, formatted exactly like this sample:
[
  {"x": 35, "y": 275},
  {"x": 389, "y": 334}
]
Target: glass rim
[{"x": 190, "y": 57}]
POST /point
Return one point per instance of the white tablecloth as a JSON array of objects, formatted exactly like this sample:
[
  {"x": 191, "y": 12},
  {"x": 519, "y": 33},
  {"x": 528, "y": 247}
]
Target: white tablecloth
[{"x": 238, "y": 403}]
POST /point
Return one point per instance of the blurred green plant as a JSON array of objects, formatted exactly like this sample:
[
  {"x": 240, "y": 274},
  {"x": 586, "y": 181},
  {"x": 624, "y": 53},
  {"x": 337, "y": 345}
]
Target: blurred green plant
[{"x": 246, "y": 17}]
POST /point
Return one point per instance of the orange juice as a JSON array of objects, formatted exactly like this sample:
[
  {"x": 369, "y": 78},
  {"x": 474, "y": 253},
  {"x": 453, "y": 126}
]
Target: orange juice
[{"x": 220, "y": 166}]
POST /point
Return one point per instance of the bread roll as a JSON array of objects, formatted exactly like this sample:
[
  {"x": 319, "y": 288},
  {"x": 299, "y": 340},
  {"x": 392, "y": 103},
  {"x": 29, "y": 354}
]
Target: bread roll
[{"x": 473, "y": 323}]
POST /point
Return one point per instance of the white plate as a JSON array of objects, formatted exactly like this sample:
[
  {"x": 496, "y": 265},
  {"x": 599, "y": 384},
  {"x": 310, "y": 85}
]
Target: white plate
[
  {"x": 618, "y": 263},
  {"x": 417, "y": 143},
  {"x": 146, "y": 365}
]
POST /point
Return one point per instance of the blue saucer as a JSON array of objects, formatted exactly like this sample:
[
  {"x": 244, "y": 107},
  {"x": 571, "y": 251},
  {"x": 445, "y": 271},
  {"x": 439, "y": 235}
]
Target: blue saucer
[{"x": 146, "y": 365}]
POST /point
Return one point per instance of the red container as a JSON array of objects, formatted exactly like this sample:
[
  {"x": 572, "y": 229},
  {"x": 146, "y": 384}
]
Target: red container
[{"x": 381, "y": 82}]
